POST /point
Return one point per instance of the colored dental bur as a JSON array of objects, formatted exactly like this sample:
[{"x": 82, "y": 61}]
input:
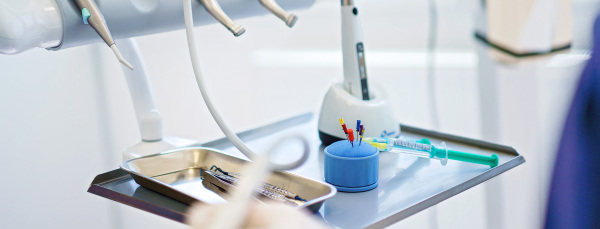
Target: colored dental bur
[
  {"x": 421, "y": 149},
  {"x": 357, "y": 128},
  {"x": 351, "y": 138},
  {"x": 344, "y": 127},
  {"x": 362, "y": 132}
]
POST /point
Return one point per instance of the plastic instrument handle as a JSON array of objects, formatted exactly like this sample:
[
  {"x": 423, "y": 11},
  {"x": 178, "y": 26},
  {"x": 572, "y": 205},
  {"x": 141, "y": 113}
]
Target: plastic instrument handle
[
  {"x": 353, "y": 52},
  {"x": 96, "y": 19}
]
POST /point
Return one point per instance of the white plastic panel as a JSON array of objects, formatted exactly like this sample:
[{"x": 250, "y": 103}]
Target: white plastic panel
[{"x": 131, "y": 18}]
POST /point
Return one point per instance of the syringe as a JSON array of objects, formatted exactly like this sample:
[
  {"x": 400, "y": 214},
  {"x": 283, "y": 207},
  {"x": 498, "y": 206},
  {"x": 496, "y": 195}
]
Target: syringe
[{"x": 421, "y": 149}]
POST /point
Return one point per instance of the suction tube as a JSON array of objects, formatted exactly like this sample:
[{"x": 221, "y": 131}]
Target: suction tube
[{"x": 235, "y": 140}]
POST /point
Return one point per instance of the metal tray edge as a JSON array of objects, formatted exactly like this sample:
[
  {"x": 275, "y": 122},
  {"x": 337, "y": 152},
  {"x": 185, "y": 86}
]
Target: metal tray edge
[
  {"x": 451, "y": 192},
  {"x": 459, "y": 139},
  {"x": 145, "y": 181},
  {"x": 96, "y": 188},
  {"x": 110, "y": 176}
]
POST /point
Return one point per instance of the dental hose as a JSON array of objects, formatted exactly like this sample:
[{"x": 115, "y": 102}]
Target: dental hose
[
  {"x": 235, "y": 140},
  {"x": 233, "y": 214}
]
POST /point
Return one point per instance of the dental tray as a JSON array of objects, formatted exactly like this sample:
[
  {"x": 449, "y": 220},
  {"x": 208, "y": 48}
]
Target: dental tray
[
  {"x": 407, "y": 184},
  {"x": 178, "y": 174}
]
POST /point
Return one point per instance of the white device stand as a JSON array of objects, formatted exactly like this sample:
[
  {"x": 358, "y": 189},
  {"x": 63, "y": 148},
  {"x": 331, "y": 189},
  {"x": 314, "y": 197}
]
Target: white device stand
[
  {"x": 376, "y": 114},
  {"x": 148, "y": 116}
]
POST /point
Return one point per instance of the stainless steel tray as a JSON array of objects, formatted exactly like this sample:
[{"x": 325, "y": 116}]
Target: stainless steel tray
[
  {"x": 407, "y": 185},
  {"x": 177, "y": 174}
]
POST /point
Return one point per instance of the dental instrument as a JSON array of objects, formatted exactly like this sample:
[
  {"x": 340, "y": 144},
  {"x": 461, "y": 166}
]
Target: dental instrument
[
  {"x": 92, "y": 16},
  {"x": 357, "y": 128},
  {"x": 351, "y": 138},
  {"x": 234, "y": 177},
  {"x": 355, "y": 70},
  {"x": 362, "y": 131},
  {"x": 345, "y": 130},
  {"x": 344, "y": 127},
  {"x": 214, "y": 9},
  {"x": 422, "y": 149},
  {"x": 225, "y": 182},
  {"x": 288, "y": 18}
]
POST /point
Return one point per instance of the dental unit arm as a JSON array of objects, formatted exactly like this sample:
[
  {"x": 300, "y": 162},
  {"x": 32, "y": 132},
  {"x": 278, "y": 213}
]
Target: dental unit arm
[{"x": 58, "y": 24}]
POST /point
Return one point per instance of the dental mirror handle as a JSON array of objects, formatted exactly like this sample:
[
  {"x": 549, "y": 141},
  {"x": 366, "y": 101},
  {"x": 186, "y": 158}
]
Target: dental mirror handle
[
  {"x": 214, "y": 9},
  {"x": 273, "y": 7},
  {"x": 355, "y": 70}
]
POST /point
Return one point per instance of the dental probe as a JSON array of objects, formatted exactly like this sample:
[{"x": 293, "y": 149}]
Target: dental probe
[{"x": 91, "y": 15}]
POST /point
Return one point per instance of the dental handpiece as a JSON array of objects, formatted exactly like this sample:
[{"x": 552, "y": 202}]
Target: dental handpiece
[
  {"x": 420, "y": 149},
  {"x": 214, "y": 9},
  {"x": 288, "y": 18},
  {"x": 355, "y": 69},
  {"x": 91, "y": 15}
]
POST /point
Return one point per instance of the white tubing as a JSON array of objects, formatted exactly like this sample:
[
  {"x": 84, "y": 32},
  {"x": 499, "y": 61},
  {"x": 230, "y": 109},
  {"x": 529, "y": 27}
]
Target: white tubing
[
  {"x": 235, "y": 140},
  {"x": 148, "y": 117}
]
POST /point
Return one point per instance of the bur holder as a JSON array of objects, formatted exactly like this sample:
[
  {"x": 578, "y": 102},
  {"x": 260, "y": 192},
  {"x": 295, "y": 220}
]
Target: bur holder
[{"x": 351, "y": 167}]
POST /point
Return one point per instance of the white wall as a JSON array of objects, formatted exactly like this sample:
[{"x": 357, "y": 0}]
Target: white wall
[
  {"x": 66, "y": 116},
  {"x": 52, "y": 145}
]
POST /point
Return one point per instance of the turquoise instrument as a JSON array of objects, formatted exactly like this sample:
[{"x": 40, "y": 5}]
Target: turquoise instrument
[{"x": 423, "y": 148}]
